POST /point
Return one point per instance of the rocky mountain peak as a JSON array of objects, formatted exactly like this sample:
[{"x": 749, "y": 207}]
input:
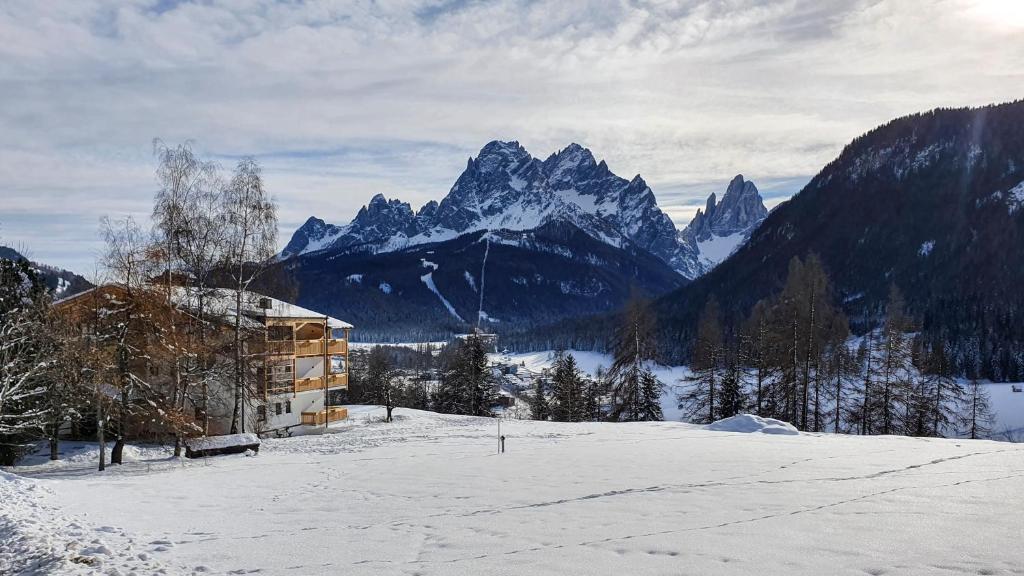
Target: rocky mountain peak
[
  {"x": 740, "y": 210},
  {"x": 505, "y": 188}
]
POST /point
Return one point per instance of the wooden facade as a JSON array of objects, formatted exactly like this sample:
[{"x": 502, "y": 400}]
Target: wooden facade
[{"x": 304, "y": 338}]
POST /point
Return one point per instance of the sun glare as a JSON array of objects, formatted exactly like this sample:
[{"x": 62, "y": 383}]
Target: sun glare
[{"x": 1006, "y": 13}]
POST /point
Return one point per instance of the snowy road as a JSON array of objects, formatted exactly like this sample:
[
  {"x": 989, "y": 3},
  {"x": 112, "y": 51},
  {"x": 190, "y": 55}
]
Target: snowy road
[{"x": 427, "y": 495}]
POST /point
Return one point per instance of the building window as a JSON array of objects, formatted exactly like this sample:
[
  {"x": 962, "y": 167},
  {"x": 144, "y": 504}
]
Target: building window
[
  {"x": 279, "y": 333},
  {"x": 277, "y": 408},
  {"x": 337, "y": 364},
  {"x": 288, "y": 406},
  {"x": 261, "y": 413},
  {"x": 280, "y": 376}
]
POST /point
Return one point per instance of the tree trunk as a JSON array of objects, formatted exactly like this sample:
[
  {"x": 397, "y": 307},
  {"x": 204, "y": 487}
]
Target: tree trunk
[
  {"x": 118, "y": 449},
  {"x": 839, "y": 394},
  {"x": 236, "y": 413},
  {"x": 99, "y": 431}
]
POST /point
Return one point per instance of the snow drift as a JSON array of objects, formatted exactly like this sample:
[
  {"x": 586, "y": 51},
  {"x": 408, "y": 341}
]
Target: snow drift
[{"x": 748, "y": 423}]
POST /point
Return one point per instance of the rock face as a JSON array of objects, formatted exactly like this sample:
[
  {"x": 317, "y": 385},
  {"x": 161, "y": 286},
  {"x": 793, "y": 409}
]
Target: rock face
[
  {"x": 505, "y": 188},
  {"x": 740, "y": 210},
  {"x": 721, "y": 227}
]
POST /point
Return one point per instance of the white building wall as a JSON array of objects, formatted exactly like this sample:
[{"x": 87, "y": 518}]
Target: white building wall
[
  {"x": 309, "y": 367},
  {"x": 311, "y": 401}
]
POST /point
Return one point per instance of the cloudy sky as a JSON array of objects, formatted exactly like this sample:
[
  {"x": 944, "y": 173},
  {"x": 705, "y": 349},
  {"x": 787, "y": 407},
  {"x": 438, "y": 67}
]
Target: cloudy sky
[{"x": 340, "y": 100}]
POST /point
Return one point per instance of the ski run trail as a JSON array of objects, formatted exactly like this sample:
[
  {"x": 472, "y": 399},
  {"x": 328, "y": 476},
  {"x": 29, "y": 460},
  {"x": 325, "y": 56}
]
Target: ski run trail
[{"x": 428, "y": 494}]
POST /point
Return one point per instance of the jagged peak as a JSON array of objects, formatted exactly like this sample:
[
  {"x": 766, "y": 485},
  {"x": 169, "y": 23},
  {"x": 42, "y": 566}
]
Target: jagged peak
[
  {"x": 429, "y": 207},
  {"x": 312, "y": 221},
  {"x": 638, "y": 182},
  {"x": 500, "y": 147},
  {"x": 709, "y": 206}
]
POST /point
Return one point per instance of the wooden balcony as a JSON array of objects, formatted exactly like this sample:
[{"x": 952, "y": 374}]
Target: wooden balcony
[
  {"x": 275, "y": 388},
  {"x": 309, "y": 347},
  {"x": 337, "y": 381},
  {"x": 307, "y": 384},
  {"x": 301, "y": 347},
  {"x": 337, "y": 346},
  {"x": 331, "y": 414},
  {"x": 275, "y": 347}
]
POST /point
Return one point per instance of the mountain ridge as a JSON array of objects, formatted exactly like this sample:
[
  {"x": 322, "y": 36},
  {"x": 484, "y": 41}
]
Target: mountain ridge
[{"x": 505, "y": 188}]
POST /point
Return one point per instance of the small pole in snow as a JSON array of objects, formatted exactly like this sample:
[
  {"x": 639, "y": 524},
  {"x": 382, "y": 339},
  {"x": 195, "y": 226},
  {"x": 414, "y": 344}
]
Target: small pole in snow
[
  {"x": 502, "y": 444},
  {"x": 501, "y": 439}
]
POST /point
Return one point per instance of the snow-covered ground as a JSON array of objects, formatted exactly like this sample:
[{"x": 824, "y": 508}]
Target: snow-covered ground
[{"x": 428, "y": 494}]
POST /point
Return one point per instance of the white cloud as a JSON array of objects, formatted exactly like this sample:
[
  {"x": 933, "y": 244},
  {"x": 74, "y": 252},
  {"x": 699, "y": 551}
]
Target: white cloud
[{"x": 342, "y": 100}]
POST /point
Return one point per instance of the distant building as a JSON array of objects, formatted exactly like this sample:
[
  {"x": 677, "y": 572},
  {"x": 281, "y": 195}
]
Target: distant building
[{"x": 299, "y": 357}]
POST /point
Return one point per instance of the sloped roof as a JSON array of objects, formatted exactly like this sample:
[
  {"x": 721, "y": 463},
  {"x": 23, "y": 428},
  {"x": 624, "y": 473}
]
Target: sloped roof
[{"x": 221, "y": 301}]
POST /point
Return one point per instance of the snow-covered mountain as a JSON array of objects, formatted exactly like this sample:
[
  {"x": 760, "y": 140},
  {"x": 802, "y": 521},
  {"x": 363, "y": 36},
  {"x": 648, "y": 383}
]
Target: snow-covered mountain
[
  {"x": 61, "y": 283},
  {"x": 566, "y": 237},
  {"x": 722, "y": 227},
  {"x": 505, "y": 188}
]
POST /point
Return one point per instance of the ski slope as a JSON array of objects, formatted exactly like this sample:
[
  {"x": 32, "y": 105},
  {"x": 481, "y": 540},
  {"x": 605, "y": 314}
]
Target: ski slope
[{"x": 428, "y": 495}]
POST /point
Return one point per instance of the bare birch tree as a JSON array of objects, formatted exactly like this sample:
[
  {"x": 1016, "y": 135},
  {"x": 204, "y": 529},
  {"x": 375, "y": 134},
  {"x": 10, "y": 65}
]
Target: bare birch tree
[{"x": 250, "y": 219}]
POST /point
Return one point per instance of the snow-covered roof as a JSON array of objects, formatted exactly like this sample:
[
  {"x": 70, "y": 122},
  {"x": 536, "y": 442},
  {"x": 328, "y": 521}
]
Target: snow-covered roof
[{"x": 221, "y": 301}]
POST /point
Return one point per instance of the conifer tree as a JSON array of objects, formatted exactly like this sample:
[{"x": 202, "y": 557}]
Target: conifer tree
[
  {"x": 650, "y": 397},
  {"x": 699, "y": 399},
  {"x": 943, "y": 396},
  {"x": 632, "y": 346},
  {"x": 568, "y": 390},
  {"x": 539, "y": 408},
  {"x": 467, "y": 384},
  {"x": 893, "y": 367},
  {"x": 976, "y": 416}
]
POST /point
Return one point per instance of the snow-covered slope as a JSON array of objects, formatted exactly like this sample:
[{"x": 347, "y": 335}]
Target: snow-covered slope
[
  {"x": 428, "y": 495},
  {"x": 61, "y": 283},
  {"x": 505, "y": 188}
]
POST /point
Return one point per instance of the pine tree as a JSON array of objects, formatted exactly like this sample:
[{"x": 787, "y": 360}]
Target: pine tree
[
  {"x": 976, "y": 416},
  {"x": 25, "y": 353},
  {"x": 893, "y": 367},
  {"x": 539, "y": 408},
  {"x": 732, "y": 397},
  {"x": 632, "y": 346},
  {"x": 595, "y": 391},
  {"x": 699, "y": 399},
  {"x": 944, "y": 394},
  {"x": 467, "y": 384},
  {"x": 650, "y": 397},
  {"x": 568, "y": 390}
]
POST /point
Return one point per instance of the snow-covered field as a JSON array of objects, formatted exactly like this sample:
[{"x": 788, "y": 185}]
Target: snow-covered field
[{"x": 428, "y": 494}]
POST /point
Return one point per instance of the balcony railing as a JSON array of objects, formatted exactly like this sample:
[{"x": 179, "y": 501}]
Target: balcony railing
[
  {"x": 337, "y": 381},
  {"x": 309, "y": 347},
  {"x": 301, "y": 347},
  {"x": 331, "y": 414},
  {"x": 337, "y": 346},
  {"x": 307, "y": 384},
  {"x": 276, "y": 347}
]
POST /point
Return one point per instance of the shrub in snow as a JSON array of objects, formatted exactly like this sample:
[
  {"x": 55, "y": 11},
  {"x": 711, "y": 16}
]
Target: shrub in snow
[{"x": 749, "y": 423}]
